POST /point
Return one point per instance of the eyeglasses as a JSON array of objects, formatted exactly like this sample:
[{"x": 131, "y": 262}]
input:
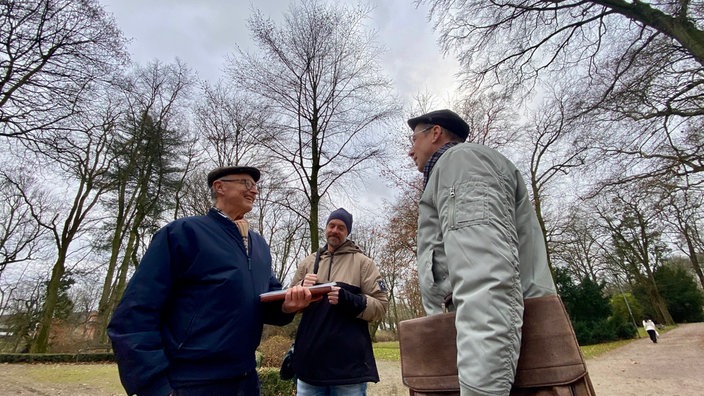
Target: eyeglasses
[
  {"x": 247, "y": 183},
  {"x": 413, "y": 136}
]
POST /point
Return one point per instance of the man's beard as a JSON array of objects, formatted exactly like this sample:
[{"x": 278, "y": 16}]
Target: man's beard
[{"x": 334, "y": 242}]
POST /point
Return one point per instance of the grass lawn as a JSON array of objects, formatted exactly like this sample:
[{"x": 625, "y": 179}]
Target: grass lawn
[
  {"x": 387, "y": 350},
  {"x": 94, "y": 376}
]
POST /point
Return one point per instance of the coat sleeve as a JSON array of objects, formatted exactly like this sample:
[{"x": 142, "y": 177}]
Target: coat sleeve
[
  {"x": 272, "y": 312},
  {"x": 304, "y": 267},
  {"x": 375, "y": 292},
  {"x": 135, "y": 326},
  {"x": 475, "y": 202}
]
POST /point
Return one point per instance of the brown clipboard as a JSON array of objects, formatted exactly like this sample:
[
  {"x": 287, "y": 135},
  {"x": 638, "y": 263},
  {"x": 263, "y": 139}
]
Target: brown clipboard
[{"x": 315, "y": 290}]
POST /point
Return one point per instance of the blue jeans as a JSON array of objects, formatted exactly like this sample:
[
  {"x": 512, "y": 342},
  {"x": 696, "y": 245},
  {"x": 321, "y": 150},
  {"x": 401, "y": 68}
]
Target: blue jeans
[{"x": 305, "y": 389}]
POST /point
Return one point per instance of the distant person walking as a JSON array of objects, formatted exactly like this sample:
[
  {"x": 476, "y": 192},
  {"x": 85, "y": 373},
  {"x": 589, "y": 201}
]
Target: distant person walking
[{"x": 651, "y": 329}]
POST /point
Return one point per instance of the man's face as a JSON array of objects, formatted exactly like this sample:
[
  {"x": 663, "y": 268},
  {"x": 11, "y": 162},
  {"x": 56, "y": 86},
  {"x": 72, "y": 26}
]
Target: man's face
[
  {"x": 422, "y": 145},
  {"x": 239, "y": 191},
  {"x": 335, "y": 233}
]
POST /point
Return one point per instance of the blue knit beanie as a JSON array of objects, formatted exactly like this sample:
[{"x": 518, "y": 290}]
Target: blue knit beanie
[{"x": 344, "y": 216}]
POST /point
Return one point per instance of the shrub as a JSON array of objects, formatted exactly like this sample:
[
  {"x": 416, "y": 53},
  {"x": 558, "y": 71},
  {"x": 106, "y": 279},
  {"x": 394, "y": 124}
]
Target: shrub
[
  {"x": 288, "y": 331},
  {"x": 683, "y": 297},
  {"x": 590, "y": 333},
  {"x": 385, "y": 335},
  {"x": 272, "y": 385},
  {"x": 273, "y": 350},
  {"x": 258, "y": 358},
  {"x": 622, "y": 328}
]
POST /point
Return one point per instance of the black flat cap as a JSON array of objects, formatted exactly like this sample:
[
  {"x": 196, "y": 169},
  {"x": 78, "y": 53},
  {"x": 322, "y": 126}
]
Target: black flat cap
[
  {"x": 232, "y": 170},
  {"x": 447, "y": 119}
]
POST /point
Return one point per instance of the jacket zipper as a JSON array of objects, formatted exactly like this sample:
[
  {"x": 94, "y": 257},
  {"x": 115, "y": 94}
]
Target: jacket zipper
[
  {"x": 188, "y": 331},
  {"x": 452, "y": 207},
  {"x": 246, "y": 251}
]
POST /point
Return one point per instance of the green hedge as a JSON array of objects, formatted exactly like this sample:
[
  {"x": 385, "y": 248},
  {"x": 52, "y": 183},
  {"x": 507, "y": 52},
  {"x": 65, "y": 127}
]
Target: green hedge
[
  {"x": 104, "y": 357},
  {"x": 272, "y": 385}
]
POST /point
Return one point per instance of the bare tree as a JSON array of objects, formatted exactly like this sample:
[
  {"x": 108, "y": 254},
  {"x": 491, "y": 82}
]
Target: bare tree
[
  {"x": 231, "y": 130},
  {"x": 637, "y": 69},
  {"x": 682, "y": 210},
  {"x": 230, "y": 127},
  {"x": 21, "y": 307},
  {"x": 490, "y": 117},
  {"x": 51, "y": 50},
  {"x": 194, "y": 197},
  {"x": 637, "y": 246},
  {"x": 578, "y": 245},
  {"x": 557, "y": 150},
  {"x": 639, "y": 65},
  {"x": 513, "y": 41},
  {"x": 65, "y": 229},
  {"x": 285, "y": 231},
  {"x": 79, "y": 155},
  {"x": 318, "y": 76},
  {"x": 20, "y": 235},
  {"x": 397, "y": 261}
]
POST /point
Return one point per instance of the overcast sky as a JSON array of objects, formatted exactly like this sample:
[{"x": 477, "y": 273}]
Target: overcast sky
[{"x": 202, "y": 33}]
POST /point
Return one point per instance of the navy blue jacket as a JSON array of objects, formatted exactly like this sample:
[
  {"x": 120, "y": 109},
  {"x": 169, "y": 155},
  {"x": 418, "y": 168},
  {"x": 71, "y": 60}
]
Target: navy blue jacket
[{"x": 191, "y": 312}]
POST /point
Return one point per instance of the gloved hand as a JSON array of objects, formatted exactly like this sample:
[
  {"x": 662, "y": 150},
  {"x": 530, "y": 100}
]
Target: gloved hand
[{"x": 350, "y": 299}]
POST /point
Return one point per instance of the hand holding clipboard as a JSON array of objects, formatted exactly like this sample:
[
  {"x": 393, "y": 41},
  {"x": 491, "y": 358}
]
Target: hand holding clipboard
[{"x": 315, "y": 290}]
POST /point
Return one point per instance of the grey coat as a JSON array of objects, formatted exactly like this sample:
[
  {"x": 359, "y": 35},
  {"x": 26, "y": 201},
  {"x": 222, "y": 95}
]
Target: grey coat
[{"x": 479, "y": 240}]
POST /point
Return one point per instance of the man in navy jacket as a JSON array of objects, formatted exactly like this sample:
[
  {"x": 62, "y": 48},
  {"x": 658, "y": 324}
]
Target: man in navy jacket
[{"x": 190, "y": 319}]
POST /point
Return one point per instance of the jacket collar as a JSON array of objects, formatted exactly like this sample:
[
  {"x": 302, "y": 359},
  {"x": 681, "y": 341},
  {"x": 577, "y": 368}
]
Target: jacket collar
[{"x": 434, "y": 159}]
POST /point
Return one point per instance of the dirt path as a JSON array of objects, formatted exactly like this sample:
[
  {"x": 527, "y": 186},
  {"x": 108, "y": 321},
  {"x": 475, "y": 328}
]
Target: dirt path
[{"x": 673, "y": 367}]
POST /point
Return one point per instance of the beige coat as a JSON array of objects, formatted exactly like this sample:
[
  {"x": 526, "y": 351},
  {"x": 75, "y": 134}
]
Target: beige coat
[{"x": 351, "y": 266}]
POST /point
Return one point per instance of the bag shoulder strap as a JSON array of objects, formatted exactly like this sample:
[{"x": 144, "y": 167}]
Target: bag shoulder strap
[{"x": 317, "y": 260}]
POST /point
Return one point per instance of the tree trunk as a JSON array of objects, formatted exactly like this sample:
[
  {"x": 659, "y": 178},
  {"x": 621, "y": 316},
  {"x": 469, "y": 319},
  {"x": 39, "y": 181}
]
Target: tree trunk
[
  {"x": 541, "y": 222},
  {"x": 104, "y": 308},
  {"x": 41, "y": 340},
  {"x": 313, "y": 220}
]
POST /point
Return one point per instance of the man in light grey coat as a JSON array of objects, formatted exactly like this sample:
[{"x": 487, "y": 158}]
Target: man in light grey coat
[{"x": 479, "y": 247}]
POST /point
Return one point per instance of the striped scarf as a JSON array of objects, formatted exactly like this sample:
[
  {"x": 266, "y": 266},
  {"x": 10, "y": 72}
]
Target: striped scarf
[
  {"x": 434, "y": 159},
  {"x": 242, "y": 225}
]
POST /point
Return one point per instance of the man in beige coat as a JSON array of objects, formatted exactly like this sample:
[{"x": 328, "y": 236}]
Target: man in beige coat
[{"x": 333, "y": 350}]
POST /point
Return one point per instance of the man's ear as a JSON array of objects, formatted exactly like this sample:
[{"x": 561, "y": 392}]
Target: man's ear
[
  {"x": 218, "y": 187},
  {"x": 437, "y": 134}
]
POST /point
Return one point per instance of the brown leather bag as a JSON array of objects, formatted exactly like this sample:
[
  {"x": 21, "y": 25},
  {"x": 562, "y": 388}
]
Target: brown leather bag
[{"x": 550, "y": 362}]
